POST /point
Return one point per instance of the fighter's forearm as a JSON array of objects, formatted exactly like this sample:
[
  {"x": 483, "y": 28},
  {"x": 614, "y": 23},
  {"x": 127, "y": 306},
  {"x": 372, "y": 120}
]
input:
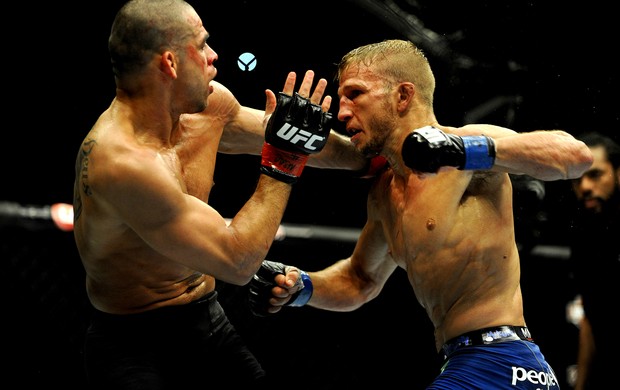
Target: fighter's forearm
[
  {"x": 545, "y": 155},
  {"x": 338, "y": 153}
]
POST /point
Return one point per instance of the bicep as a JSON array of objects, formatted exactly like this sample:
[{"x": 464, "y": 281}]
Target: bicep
[
  {"x": 195, "y": 235},
  {"x": 371, "y": 259},
  {"x": 173, "y": 223},
  {"x": 483, "y": 129},
  {"x": 349, "y": 283},
  {"x": 244, "y": 133}
]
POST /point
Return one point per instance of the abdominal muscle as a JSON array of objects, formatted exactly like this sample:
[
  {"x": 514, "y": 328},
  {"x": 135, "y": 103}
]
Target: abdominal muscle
[
  {"x": 138, "y": 286},
  {"x": 459, "y": 251},
  {"x": 463, "y": 291}
]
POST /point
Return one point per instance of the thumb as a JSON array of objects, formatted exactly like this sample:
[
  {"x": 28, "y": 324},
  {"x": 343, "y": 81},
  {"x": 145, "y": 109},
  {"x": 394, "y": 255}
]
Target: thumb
[
  {"x": 270, "y": 104},
  {"x": 293, "y": 281}
]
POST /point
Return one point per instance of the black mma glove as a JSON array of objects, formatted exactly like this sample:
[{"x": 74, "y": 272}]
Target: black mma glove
[
  {"x": 264, "y": 280},
  {"x": 427, "y": 149},
  {"x": 296, "y": 129}
]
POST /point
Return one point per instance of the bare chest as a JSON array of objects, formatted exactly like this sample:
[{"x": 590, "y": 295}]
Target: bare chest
[{"x": 421, "y": 217}]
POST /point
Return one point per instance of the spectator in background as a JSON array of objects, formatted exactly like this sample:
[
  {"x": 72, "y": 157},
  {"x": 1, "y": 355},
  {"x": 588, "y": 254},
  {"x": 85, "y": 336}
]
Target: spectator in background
[{"x": 595, "y": 257}]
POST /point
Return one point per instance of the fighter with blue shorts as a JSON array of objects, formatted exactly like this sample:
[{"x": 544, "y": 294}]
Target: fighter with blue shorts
[{"x": 495, "y": 358}]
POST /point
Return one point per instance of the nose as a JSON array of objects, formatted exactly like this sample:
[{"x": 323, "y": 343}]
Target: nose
[
  {"x": 212, "y": 57},
  {"x": 344, "y": 112},
  {"x": 583, "y": 186}
]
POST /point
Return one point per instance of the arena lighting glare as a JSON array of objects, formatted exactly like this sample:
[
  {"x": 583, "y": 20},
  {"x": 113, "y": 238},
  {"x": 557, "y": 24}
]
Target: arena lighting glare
[
  {"x": 35, "y": 217},
  {"x": 246, "y": 62}
]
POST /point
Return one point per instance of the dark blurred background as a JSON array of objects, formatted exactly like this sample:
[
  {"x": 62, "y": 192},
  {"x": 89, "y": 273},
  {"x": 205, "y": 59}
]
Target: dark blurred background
[{"x": 522, "y": 64}]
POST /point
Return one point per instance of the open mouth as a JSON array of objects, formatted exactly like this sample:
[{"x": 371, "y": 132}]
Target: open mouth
[{"x": 353, "y": 132}]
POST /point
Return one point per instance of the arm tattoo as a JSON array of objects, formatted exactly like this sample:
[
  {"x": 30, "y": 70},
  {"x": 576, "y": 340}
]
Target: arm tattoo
[{"x": 81, "y": 176}]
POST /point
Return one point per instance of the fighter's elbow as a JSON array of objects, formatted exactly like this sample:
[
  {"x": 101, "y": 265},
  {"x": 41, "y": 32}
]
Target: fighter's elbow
[
  {"x": 240, "y": 271},
  {"x": 239, "y": 276}
]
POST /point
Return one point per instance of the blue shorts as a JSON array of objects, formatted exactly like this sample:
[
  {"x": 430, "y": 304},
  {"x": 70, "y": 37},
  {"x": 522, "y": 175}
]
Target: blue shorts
[{"x": 513, "y": 363}]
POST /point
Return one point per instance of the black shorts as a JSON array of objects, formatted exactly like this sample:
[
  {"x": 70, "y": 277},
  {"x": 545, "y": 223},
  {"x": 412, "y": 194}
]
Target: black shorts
[{"x": 192, "y": 345}]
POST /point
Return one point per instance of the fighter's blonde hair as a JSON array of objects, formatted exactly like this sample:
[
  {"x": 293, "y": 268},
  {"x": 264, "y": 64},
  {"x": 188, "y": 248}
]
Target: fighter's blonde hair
[{"x": 395, "y": 59}]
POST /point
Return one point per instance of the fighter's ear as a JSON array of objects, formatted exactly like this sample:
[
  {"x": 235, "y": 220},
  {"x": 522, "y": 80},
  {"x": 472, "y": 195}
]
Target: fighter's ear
[
  {"x": 406, "y": 91},
  {"x": 168, "y": 64}
]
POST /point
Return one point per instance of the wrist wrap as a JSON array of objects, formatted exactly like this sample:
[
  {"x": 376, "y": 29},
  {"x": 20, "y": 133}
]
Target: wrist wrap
[
  {"x": 479, "y": 152},
  {"x": 282, "y": 165}
]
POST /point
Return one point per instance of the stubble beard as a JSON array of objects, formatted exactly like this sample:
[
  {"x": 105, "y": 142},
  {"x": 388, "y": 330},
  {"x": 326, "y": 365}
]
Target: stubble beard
[{"x": 380, "y": 129}]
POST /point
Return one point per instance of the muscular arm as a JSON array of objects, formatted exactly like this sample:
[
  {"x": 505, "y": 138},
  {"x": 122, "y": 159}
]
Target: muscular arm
[
  {"x": 543, "y": 154},
  {"x": 349, "y": 283},
  {"x": 188, "y": 231},
  {"x": 149, "y": 195},
  {"x": 343, "y": 286}
]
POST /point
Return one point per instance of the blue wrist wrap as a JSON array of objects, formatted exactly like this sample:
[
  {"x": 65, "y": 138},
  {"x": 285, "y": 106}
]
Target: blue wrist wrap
[
  {"x": 479, "y": 152},
  {"x": 302, "y": 296}
]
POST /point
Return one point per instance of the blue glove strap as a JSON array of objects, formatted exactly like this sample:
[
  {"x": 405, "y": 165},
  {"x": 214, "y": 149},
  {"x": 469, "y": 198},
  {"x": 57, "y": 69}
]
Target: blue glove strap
[
  {"x": 479, "y": 152},
  {"x": 303, "y": 296}
]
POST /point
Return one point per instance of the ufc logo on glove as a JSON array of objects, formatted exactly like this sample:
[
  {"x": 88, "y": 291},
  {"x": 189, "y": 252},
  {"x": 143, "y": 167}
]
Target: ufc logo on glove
[
  {"x": 295, "y": 135},
  {"x": 296, "y": 129}
]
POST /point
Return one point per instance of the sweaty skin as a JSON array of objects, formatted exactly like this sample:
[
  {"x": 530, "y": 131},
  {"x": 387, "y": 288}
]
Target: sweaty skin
[
  {"x": 453, "y": 231},
  {"x": 128, "y": 272},
  {"x": 143, "y": 227},
  {"x": 114, "y": 255},
  {"x": 463, "y": 277}
]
